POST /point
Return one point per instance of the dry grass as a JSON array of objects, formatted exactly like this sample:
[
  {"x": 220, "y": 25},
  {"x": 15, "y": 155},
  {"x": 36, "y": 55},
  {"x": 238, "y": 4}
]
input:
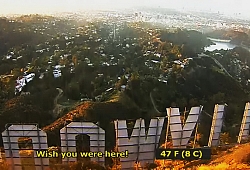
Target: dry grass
[
  {"x": 80, "y": 111},
  {"x": 236, "y": 158},
  {"x": 4, "y": 165},
  {"x": 169, "y": 165},
  {"x": 238, "y": 154},
  {"x": 224, "y": 166}
]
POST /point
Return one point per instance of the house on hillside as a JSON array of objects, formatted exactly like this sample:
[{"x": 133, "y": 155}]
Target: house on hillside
[
  {"x": 123, "y": 88},
  {"x": 41, "y": 76},
  {"x": 29, "y": 77},
  {"x": 57, "y": 73},
  {"x": 98, "y": 98},
  {"x": 22, "y": 81}
]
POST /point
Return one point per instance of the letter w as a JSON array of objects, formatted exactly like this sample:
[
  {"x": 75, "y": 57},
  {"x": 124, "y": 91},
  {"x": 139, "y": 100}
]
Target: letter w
[
  {"x": 142, "y": 144},
  {"x": 181, "y": 133}
]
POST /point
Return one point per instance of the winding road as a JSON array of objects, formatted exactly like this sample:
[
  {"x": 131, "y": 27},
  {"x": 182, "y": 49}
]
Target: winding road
[
  {"x": 218, "y": 63},
  {"x": 57, "y": 107},
  {"x": 153, "y": 102},
  {"x": 60, "y": 91}
]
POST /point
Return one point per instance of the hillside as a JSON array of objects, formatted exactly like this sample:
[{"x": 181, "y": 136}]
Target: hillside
[
  {"x": 236, "y": 157},
  {"x": 138, "y": 72},
  {"x": 118, "y": 107}
]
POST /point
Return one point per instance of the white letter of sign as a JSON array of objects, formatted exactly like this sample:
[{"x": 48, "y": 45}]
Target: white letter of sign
[
  {"x": 97, "y": 138},
  {"x": 181, "y": 136},
  {"x": 216, "y": 125},
  {"x": 141, "y": 145},
  {"x": 10, "y": 141},
  {"x": 245, "y": 124}
]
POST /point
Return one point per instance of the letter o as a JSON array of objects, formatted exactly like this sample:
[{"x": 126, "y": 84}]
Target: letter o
[{"x": 68, "y": 154}]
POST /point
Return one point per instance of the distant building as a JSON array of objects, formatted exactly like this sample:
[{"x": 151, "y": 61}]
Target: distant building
[
  {"x": 109, "y": 89},
  {"x": 123, "y": 87},
  {"x": 98, "y": 98},
  {"x": 41, "y": 76},
  {"x": 57, "y": 73},
  {"x": 22, "y": 81}
]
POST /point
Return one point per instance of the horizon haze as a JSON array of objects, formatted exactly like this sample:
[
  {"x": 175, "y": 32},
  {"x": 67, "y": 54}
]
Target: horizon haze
[{"x": 227, "y": 7}]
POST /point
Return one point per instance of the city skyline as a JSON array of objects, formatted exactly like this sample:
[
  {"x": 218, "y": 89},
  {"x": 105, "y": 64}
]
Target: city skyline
[{"x": 228, "y": 7}]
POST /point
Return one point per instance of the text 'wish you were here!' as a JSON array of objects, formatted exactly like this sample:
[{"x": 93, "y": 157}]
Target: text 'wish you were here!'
[{"x": 90, "y": 154}]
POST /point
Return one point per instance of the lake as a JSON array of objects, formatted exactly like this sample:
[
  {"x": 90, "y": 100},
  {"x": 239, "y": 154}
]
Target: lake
[{"x": 220, "y": 45}]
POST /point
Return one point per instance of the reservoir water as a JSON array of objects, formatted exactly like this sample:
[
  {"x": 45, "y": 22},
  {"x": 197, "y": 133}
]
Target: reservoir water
[{"x": 220, "y": 45}]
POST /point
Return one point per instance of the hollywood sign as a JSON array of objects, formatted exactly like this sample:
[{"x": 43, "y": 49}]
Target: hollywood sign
[{"x": 141, "y": 145}]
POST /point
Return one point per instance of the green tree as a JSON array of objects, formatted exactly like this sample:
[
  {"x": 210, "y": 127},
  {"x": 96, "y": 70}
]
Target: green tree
[
  {"x": 122, "y": 81},
  {"x": 73, "y": 91}
]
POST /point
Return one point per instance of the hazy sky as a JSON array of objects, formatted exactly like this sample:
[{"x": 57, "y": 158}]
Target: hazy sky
[{"x": 51, "y": 6}]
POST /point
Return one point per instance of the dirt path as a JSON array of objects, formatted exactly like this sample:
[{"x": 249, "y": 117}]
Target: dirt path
[
  {"x": 218, "y": 64},
  {"x": 57, "y": 107},
  {"x": 60, "y": 91},
  {"x": 153, "y": 103}
]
